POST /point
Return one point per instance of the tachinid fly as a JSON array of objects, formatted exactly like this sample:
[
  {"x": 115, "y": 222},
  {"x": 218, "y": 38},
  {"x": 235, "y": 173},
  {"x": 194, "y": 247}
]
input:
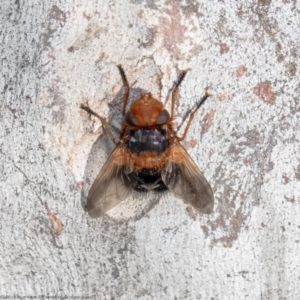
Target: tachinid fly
[{"x": 148, "y": 157}]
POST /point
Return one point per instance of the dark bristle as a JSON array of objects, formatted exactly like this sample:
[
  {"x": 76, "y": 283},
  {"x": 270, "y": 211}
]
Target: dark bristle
[
  {"x": 123, "y": 76},
  {"x": 181, "y": 77},
  {"x": 203, "y": 99},
  {"x": 87, "y": 109}
]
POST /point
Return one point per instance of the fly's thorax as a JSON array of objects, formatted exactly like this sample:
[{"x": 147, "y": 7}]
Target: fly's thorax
[{"x": 147, "y": 139}]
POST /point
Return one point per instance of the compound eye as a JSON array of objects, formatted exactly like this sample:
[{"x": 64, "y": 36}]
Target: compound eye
[
  {"x": 163, "y": 117},
  {"x": 131, "y": 119}
]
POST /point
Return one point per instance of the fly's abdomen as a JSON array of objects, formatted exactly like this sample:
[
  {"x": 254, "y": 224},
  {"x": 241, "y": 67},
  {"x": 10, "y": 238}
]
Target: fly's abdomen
[
  {"x": 148, "y": 180},
  {"x": 150, "y": 140}
]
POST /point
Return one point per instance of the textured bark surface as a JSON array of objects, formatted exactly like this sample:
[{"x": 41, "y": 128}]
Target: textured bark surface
[{"x": 246, "y": 140}]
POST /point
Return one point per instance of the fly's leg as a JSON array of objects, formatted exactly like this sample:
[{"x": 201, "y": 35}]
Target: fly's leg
[
  {"x": 192, "y": 116},
  {"x": 103, "y": 121},
  {"x": 175, "y": 91},
  {"x": 126, "y": 86}
]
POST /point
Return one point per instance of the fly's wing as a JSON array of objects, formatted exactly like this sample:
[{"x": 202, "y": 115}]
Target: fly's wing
[
  {"x": 184, "y": 179},
  {"x": 111, "y": 186}
]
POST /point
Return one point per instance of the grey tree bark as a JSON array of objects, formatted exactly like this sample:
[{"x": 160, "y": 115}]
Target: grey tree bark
[{"x": 59, "y": 54}]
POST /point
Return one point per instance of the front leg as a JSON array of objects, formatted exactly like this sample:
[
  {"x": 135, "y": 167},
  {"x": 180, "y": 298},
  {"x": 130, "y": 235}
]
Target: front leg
[{"x": 103, "y": 121}]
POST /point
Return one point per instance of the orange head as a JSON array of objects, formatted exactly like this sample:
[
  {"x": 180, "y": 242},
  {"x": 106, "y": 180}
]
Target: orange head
[{"x": 146, "y": 112}]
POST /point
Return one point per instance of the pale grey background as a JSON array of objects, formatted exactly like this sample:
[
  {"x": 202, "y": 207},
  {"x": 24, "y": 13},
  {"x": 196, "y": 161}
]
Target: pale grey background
[{"x": 58, "y": 54}]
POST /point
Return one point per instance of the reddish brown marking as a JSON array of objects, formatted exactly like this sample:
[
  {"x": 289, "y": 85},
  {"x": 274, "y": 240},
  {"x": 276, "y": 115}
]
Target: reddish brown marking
[
  {"x": 265, "y": 93},
  {"x": 240, "y": 71},
  {"x": 247, "y": 161},
  {"x": 146, "y": 110},
  {"x": 280, "y": 58},
  {"x": 292, "y": 200},
  {"x": 87, "y": 16},
  {"x": 264, "y": 2},
  {"x": 193, "y": 143},
  {"x": 223, "y": 48},
  {"x": 79, "y": 184},
  {"x": 286, "y": 179},
  {"x": 148, "y": 159},
  {"x": 145, "y": 160},
  {"x": 223, "y": 97},
  {"x": 297, "y": 173},
  {"x": 172, "y": 29},
  {"x": 89, "y": 30},
  {"x": 208, "y": 119},
  {"x": 50, "y": 53},
  {"x": 56, "y": 223}
]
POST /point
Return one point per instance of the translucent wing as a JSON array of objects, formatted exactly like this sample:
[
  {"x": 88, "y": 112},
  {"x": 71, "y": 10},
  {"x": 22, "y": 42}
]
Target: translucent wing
[
  {"x": 184, "y": 179},
  {"x": 111, "y": 186}
]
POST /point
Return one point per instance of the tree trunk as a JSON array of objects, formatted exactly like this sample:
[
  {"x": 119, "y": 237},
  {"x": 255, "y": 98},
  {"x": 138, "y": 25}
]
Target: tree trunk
[{"x": 245, "y": 139}]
